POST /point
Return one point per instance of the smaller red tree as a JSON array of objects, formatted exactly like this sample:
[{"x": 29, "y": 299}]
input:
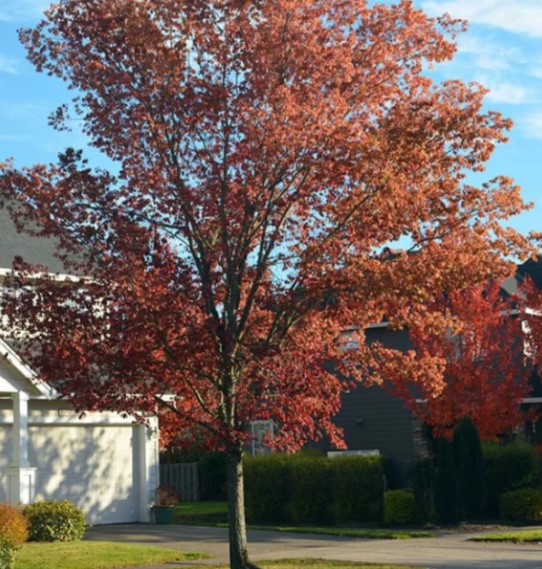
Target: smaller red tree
[{"x": 486, "y": 374}]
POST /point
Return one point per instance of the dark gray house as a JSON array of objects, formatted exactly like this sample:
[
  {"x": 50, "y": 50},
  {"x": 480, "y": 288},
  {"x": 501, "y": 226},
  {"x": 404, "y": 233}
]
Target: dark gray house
[{"x": 375, "y": 420}]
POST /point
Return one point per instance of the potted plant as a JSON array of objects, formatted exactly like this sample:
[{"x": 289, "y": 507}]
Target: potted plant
[{"x": 165, "y": 499}]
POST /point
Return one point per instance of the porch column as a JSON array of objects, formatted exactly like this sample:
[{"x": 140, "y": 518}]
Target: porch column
[
  {"x": 147, "y": 463},
  {"x": 21, "y": 476}
]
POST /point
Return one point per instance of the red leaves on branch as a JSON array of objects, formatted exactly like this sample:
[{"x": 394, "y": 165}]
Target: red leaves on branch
[{"x": 485, "y": 372}]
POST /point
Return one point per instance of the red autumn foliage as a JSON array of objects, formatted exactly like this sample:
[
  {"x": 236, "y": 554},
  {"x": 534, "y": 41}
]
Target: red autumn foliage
[
  {"x": 531, "y": 308},
  {"x": 485, "y": 372},
  {"x": 267, "y": 153}
]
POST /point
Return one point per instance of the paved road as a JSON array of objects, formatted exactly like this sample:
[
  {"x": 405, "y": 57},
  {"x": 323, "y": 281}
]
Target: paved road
[{"x": 447, "y": 551}]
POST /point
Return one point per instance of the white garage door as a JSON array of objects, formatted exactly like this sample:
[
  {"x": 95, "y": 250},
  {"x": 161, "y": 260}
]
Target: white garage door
[{"x": 93, "y": 466}]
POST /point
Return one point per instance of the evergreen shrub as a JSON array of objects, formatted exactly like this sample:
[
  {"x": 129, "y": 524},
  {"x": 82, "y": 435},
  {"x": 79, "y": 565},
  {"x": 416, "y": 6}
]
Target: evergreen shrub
[
  {"x": 212, "y": 475},
  {"x": 358, "y": 486},
  {"x": 445, "y": 486},
  {"x": 399, "y": 507},
  {"x": 310, "y": 488},
  {"x": 520, "y": 506},
  {"x": 423, "y": 482},
  {"x": 469, "y": 471},
  {"x": 267, "y": 488},
  {"x": 55, "y": 521}
]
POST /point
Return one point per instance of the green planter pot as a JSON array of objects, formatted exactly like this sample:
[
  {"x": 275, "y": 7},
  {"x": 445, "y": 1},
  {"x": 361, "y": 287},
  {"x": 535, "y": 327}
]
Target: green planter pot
[{"x": 162, "y": 514}]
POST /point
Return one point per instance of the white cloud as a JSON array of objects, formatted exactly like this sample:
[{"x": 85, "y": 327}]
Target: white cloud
[
  {"x": 501, "y": 91},
  {"x": 517, "y": 16},
  {"x": 532, "y": 125},
  {"x": 8, "y": 65},
  {"x": 486, "y": 53}
]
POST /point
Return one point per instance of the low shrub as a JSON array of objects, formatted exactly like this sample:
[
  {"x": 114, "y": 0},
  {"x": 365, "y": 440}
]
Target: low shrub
[
  {"x": 7, "y": 553},
  {"x": 13, "y": 533},
  {"x": 399, "y": 507},
  {"x": 13, "y": 525},
  {"x": 523, "y": 505},
  {"x": 55, "y": 521}
]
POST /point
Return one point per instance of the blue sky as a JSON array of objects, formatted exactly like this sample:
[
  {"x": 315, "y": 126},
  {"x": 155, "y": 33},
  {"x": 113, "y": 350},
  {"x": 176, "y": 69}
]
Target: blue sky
[{"x": 502, "y": 50}]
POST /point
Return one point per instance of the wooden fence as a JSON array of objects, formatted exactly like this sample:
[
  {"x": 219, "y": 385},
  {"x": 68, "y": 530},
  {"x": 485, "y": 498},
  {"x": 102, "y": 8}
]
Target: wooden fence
[{"x": 183, "y": 479}]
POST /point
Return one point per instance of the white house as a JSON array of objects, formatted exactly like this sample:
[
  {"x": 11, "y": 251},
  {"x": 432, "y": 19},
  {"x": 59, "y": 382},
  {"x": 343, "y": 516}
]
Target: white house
[{"x": 105, "y": 463}]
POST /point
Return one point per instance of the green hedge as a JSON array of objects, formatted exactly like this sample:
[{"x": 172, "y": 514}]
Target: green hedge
[
  {"x": 508, "y": 467},
  {"x": 312, "y": 490},
  {"x": 358, "y": 484},
  {"x": 306, "y": 488},
  {"x": 521, "y": 506},
  {"x": 267, "y": 488}
]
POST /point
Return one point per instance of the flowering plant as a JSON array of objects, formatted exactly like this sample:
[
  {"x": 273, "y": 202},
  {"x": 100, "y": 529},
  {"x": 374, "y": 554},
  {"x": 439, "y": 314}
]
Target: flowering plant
[{"x": 165, "y": 496}]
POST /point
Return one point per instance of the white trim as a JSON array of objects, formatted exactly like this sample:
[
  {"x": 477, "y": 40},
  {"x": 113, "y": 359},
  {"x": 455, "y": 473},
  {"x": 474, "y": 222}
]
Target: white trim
[
  {"x": 61, "y": 277},
  {"x": 11, "y": 356},
  {"x": 378, "y": 325},
  {"x": 74, "y": 420},
  {"x": 532, "y": 400}
]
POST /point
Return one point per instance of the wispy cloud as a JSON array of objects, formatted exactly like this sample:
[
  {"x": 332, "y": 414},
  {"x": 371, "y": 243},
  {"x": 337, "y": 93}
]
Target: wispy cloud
[
  {"x": 9, "y": 65},
  {"x": 517, "y": 16},
  {"x": 487, "y": 53},
  {"x": 531, "y": 125},
  {"x": 501, "y": 91}
]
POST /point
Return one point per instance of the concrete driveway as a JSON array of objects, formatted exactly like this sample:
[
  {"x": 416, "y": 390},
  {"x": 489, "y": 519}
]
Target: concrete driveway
[{"x": 449, "y": 550}]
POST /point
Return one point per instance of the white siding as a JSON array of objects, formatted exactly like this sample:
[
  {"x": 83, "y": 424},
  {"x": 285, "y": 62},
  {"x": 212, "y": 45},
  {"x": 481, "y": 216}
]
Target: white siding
[{"x": 93, "y": 466}]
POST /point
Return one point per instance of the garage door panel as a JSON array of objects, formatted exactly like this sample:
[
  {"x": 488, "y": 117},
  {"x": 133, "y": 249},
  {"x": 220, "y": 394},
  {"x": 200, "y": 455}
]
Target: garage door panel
[{"x": 93, "y": 466}]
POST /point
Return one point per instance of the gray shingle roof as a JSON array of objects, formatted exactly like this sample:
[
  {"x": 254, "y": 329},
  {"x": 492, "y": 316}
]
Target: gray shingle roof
[{"x": 34, "y": 250}]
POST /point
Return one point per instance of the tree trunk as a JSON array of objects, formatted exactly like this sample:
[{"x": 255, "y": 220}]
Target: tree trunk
[{"x": 236, "y": 511}]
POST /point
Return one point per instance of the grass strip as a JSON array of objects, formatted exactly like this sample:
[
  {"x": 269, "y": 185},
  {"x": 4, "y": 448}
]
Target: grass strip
[
  {"x": 96, "y": 555},
  {"x": 215, "y": 514},
  {"x": 516, "y": 536}
]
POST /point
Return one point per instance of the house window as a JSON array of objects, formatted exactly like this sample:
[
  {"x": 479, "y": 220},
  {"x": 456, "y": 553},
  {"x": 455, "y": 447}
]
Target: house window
[{"x": 262, "y": 432}]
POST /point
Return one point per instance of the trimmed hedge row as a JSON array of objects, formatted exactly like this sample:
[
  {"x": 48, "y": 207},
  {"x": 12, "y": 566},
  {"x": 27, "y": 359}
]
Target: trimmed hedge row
[{"x": 304, "y": 488}]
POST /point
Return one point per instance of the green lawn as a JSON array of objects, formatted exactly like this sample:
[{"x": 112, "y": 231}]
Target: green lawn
[
  {"x": 318, "y": 564},
  {"x": 95, "y": 555},
  {"x": 197, "y": 513},
  {"x": 215, "y": 514},
  {"x": 515, "y": 536}
]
